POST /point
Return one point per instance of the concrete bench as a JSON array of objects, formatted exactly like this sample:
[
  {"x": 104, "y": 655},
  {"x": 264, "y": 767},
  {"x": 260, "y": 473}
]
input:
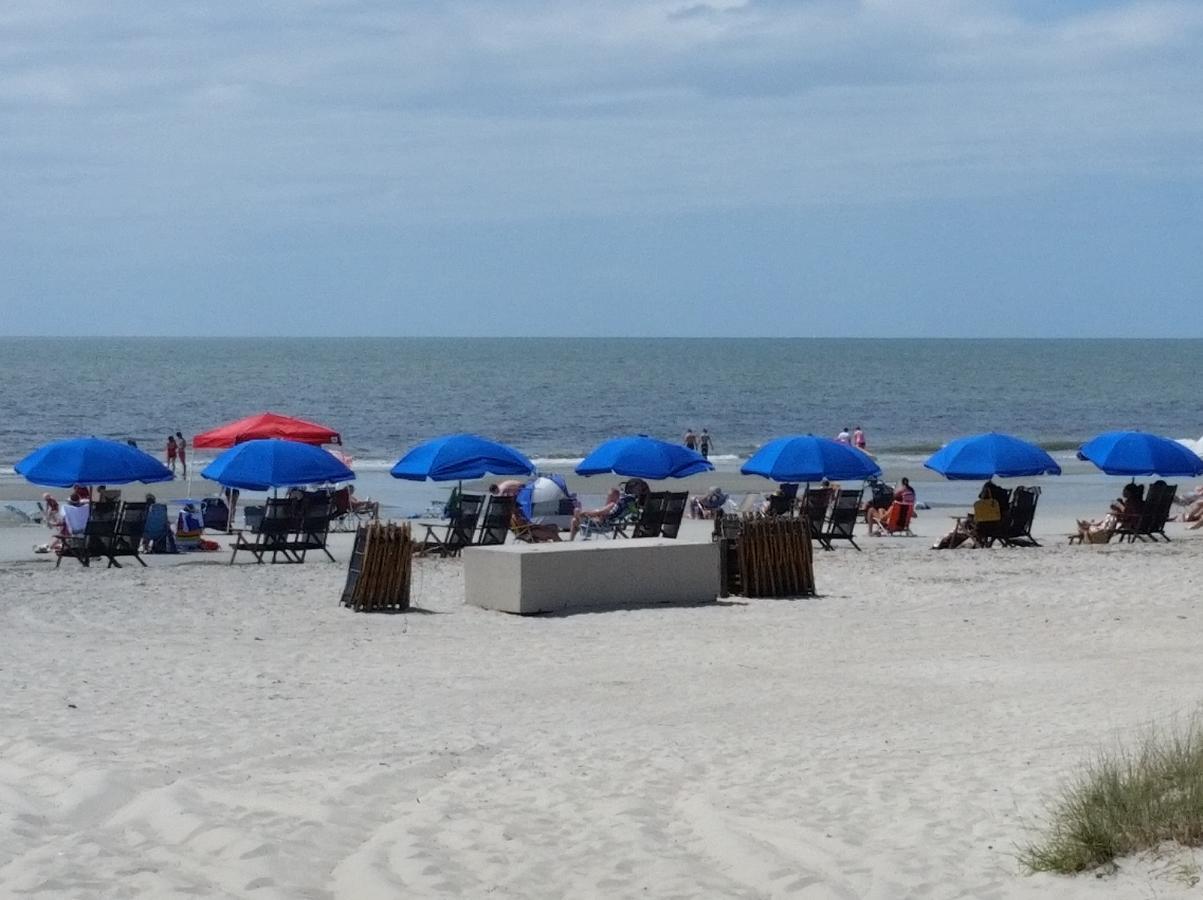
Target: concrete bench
[{"x": 535, "y": 578}]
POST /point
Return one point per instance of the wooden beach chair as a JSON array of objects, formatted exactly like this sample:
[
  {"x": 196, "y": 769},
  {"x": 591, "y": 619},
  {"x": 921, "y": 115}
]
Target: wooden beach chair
[
  {"x": 270, "y": 534},
  {"x": 814, "y": 510},
  {"x": 530, "y": 532},
  {"x": 1021, "y": 513},
  {"x": 458, "y": 533},
  {"x": 651, "y": 516},
  {"x": 496, "y": 522},
  {"x": 94, "y": 540},
  {"x": 1152, "y": 521},
  {"x": 674, "y": 512},
  {"x": 313, "y": 530},
  {"x": 127, "y": 534},
  {"x": 842, "y": 522}
]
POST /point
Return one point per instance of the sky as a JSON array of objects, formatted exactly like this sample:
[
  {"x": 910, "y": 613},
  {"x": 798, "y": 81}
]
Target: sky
[{"x": 611, "y": 167}]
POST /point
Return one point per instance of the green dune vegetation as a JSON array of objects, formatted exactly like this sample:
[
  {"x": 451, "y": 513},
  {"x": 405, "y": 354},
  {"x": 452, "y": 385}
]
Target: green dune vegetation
[{"x": 1127, "y": 800}]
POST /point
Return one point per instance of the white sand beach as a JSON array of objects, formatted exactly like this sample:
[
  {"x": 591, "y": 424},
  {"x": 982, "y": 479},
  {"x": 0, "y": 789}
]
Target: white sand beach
[{"x": 194, "y": 729}]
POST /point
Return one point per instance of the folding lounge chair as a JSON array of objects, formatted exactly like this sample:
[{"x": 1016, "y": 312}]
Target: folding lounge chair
[
  {"x": 457, "y": 533},
  {"x": 94, "y": 540},
  {"x": 1156, "y": 513},
  {"x": 674, "y": 512},
  {"x": 313, "y": 530},
  {"x": 842, "y": 521},
  {"x": 127, "y": 535},
  {"x": 496, "y": 521},
  {"x": 281, "y": 519},
  {"x": 651, "y": 517},
  {"x": 1021, "y": 512},
  {"x": 898, "y": 519},
  {"x": 814, "y": 510},
  {"x": 528, "y": 532},
  {"x": 625, "y": 514}
]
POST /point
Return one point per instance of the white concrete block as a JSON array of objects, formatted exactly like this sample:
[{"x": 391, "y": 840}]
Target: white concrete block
[{"x": 535, "y": 578}]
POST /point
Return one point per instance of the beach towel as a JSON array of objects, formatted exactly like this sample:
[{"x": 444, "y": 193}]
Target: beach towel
[{"x": 76, "y": 518}]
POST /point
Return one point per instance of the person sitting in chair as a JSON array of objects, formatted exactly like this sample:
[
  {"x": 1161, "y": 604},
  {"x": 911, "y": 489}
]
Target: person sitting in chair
[
  {"x": 1130, "y": 504},
  {"x": 365, "y": 507},
  {"x": 534, "y": 532},
  {"x": 52, "y": 518},
  {"x": 705, "y": 507},
  {"x": 904, "y": 495},
  {"x": 601, "y": 514},
  {"x": 963, "y": 530}
]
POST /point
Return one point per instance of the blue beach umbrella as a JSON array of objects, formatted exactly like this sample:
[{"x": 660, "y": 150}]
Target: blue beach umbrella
[
  {"x": 272, "y": 463},
  {"x": 1135, "y": 453},
  {"x": 804, "y": 457},
  {"x": 641, "y": 456},
  {"x": 460, "y": 457},
  {"x": 91, "y": 461},
  {"x": 990, "y": 455}
]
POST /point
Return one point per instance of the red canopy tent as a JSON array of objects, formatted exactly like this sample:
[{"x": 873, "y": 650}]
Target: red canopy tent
[{"x": 266, "y": 425}]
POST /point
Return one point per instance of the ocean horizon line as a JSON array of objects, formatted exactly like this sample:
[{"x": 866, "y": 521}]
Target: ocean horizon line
[{"x": 614, "y": 337}]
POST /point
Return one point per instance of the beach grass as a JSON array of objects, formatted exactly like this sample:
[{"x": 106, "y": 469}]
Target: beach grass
[{"x": 1127, "y": 800}]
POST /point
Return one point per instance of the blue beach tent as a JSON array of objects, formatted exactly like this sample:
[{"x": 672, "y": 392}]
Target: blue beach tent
[
  {"x": 273, "y": 463},
  {"x": 1135, "y": 453},
  {"x": 91, "y": 461},
  {"x": 991, "y": 455},
  {"x": 460, "y": 457},
  {"x": 640, "y": 456},
  {"x": 804, "y": 457}
]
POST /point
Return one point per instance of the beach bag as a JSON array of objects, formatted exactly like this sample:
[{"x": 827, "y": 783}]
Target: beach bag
[{"x": 987, "y": 511}]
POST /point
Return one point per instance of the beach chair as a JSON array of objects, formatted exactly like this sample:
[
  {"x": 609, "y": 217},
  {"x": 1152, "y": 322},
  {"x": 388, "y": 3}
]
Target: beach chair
[
  {"x": 813, "y": 509},
  {"x": 457, "y": 533},
  {"x": 651, "y": 516},
  {"x": 898, "y": 519},
  {"x": 784, "y": 501},
  {"x": 1151, "y": 522},
  {"x": 271, "y": 534},
  {"x": 529, "y": 532},
  {"x": 841, "y": 523},
  {"x": 313, "y": 528},
  {"x": 92, "y": 542},
  {"x": 674, "y": 512},
  {"x": 496, "y": 521},
  {"x": 127, "y": 534},
  {"x": 625, "y": 514},
  {"x": 1021, "y": 512}
]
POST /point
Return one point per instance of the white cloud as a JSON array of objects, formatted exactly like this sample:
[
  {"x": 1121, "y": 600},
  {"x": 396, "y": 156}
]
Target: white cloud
[{"x": 472, "y": 109}]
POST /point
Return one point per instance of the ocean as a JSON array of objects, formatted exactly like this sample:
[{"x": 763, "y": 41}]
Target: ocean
[{"x": 557, "y": 398}]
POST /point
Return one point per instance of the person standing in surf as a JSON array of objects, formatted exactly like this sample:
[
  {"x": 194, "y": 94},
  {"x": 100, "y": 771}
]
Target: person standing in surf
[
  {"x": 690, "y": 440},
  {"x": 181, "y": 447},
  {"x": 858, "y": 438},
  {"x": 704, "y": 443},
  {"x": 171, "y": 452}
]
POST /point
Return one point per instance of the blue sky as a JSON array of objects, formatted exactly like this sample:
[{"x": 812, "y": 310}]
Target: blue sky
[{"x": 768, "y": 167}]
